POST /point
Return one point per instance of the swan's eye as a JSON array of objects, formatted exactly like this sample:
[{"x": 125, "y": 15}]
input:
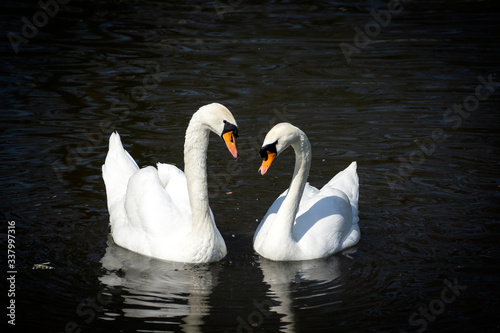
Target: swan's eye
[
  {"x": 228, "y": 127},
  {"x": 268, "y": 149}
]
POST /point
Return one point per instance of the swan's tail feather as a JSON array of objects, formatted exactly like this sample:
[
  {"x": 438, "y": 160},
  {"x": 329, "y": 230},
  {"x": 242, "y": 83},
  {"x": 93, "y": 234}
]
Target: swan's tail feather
[
  {"x": 117, "y": 170},
  {"x": 348, "y": 182}
]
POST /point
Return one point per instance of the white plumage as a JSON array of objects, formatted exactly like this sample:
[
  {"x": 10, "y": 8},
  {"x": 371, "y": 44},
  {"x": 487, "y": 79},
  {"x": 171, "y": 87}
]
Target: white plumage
[
  {"x": 163, "y": 212},
  {"x": 304, "y": 222}
]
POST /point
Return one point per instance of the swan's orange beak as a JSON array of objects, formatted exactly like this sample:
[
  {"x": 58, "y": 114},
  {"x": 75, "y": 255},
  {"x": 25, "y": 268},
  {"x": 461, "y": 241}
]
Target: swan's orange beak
[
  {"x": 230, "y": 141},
  {"x": 266, "y": 162}
]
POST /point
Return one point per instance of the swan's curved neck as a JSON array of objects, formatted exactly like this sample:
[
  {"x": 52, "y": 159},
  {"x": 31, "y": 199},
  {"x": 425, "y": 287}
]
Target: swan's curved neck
[
  {"x": 195, "y": 168},
  {"x": 288, "y": 210}
]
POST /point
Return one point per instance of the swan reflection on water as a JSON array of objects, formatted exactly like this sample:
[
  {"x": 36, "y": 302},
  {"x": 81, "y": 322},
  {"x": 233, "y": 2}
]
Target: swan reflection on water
[
  {"x": 160, "y": 292},
  {"x": 286, "y": 278},
  {"x": 168, "y": 295}
]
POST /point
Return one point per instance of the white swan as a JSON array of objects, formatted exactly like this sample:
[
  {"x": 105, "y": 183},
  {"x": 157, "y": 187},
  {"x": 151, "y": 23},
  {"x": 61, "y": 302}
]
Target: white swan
[
  {"x": 164, "y": 213},
  {"x": 304, "y": 222}
]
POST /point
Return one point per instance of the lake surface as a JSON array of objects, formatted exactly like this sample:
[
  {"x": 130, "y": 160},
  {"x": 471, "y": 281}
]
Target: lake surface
[{"x": 411, "y": 92}]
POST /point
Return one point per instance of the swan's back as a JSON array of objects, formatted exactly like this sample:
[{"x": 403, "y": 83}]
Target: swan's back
[
  {"x": 153, "y": 211},
  {"x": 174, "y": 182},
  {"x": 117, "y": 170},
  {"x": 346, "y": 181},
  {"x": 149, "y": 208}
]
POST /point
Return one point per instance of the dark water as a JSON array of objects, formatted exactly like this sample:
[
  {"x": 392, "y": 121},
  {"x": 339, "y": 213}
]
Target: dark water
[{"x": 413, "y": 99}]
